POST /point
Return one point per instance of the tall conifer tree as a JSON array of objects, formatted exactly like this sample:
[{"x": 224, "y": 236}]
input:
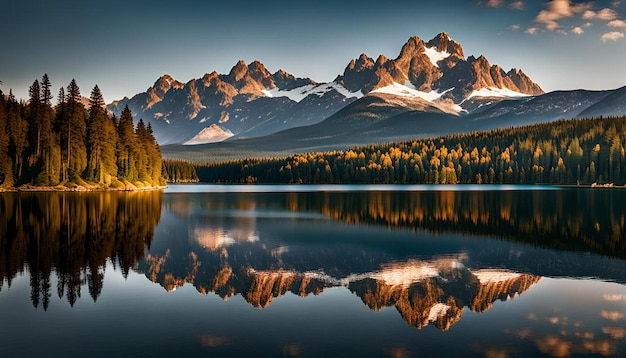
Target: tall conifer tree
[
  {"x": 127, "y": 147},
  {"x": 6, "y": 164},
  {"x": 73, "y": 130},
  {"x": 101, "y": 134}
]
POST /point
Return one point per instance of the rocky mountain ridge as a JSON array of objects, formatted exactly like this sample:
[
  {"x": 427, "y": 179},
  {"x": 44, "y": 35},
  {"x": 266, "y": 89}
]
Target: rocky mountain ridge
[
  {"x": 250, "y": 101},
  {"x": 438, "y": 65}
]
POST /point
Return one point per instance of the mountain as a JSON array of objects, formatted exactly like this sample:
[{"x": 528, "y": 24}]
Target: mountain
[
  {"x": 249, "y": 101},
  {"x": 435, "y": 70},
  {"x": 614, "y": 104}
]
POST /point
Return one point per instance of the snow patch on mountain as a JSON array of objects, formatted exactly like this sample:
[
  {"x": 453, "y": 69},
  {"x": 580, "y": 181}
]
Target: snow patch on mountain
[
  {"x": 210, "y": 134},
  {"x": 496, "y": 92},
  {"x": 408, "y": 90},
  {"x": 300, "y": 93},
  {"x": 435, "y": 56}
]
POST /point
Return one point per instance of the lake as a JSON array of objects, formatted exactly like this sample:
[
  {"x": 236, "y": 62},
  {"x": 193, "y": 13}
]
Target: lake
[{"x": 314, "y": 271}]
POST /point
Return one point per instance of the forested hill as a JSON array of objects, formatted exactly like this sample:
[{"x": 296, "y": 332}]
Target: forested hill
[
  {"x": 69, "y": 145},
  {"x": 583, "y": 151}
]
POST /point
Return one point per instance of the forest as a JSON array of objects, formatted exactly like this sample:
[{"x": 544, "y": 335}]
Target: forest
[
  {"x": 577, "y": 152},
  {"x": 70, "y": 144}
]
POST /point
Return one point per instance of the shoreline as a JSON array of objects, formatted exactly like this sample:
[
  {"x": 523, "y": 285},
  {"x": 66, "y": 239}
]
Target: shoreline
[{"x": 77, "y": 188}]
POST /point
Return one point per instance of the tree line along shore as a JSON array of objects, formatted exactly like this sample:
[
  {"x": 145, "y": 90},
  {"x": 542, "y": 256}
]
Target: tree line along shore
[
  {"x": 587, "y": 152},
  {"x": 70, "y": 146}
]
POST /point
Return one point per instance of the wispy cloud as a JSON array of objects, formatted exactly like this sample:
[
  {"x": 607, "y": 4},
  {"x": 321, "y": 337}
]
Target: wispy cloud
[
  {"x": 495, "y": 3},
  {"x": 531, "y": 30},
  {"x": 557, "y": 10},
  {"x": 604, "y": 14},
  {"x": 612, "y": 36},
  {"x": 515, "y": 27},
  {"x": 578, "y": 30},
  {"x": 518, "y": 5}
]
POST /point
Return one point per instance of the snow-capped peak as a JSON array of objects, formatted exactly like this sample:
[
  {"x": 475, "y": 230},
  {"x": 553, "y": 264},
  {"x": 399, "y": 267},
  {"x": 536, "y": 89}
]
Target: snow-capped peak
[
  {"x": 210, "y": 134},
  {"x": 435, "y": 56}
]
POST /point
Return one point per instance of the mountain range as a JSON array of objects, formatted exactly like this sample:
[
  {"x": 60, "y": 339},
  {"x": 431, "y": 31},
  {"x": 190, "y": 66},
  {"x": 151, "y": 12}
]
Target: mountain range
[{"x": 430, "y": 88}]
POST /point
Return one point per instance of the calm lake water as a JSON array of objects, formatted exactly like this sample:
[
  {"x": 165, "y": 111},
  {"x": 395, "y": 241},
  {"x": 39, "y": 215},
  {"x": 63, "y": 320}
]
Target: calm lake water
[{"x": 314, "y": 271}]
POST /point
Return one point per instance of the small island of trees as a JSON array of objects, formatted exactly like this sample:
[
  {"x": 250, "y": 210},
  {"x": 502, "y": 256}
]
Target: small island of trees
[{"x": 70, "y": 146}]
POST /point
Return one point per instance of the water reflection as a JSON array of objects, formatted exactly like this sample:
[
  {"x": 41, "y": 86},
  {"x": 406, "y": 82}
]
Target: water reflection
[
  {"x": 433, "y": 256},
  {"x": 73, "y": 235}
]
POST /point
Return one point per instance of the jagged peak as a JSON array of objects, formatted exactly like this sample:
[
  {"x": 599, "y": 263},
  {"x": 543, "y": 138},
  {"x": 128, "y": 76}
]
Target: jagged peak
[
  {"x": 411, "y": 47},
  {"x": 443, "y": 42},
  {"x": 283, "y": 73},
  {"x": 364, "y": 62},
  {"x": 239, "y": 70},
  {"x": 381, "y": 60},
  {"x": 257, "y": 65},
  {"x": 210, "y": 76},
  {"x": 165, "y": 82}
]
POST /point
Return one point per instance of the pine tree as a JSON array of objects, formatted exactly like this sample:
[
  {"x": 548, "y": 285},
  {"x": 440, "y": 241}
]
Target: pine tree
[
  {"x": 18, "y": 134},
  {"x": 43, "y": 159},
  {"x": 6, "y": 164},
  {"x": 140, "y": 154},
  {"x": 154, "y": 156},
  {"x": 50, "y": 147},
  {"x": 73, "y": 130},
  {"x": 101, "y": 142},
  {"x": 126, "y": 147}
]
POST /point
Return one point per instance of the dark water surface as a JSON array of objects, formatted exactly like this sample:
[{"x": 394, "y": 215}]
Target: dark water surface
[{"x": 314, "y": 271}]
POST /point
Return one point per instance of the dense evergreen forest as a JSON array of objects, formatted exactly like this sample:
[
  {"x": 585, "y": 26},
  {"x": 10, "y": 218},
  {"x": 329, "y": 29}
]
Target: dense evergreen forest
[
  {"x": 582, "y": 151},
  {"x": 179, "y": 171},
  {"x": 70, "y": 145}
]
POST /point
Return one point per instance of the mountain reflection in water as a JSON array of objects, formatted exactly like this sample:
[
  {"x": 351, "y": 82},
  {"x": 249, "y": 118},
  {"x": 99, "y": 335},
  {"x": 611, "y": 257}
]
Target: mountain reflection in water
[{"x": 429, "y": 254}]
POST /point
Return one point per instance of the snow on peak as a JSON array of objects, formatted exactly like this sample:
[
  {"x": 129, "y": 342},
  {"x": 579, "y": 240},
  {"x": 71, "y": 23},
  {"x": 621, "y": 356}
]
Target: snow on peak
[
  {"x": 408, "y": 90},
  {"x": 210, "y": 134},
  {"x": 300, "y": 93},
  {"x": 435, "y": 56},
  {"x": 496, "y": 92}
]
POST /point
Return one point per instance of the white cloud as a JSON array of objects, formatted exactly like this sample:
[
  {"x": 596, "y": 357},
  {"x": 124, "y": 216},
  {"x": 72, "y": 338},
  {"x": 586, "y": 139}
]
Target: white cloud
[
  {"x": 578, "y": 30},
  {"x": 515, "y": 27},
  {"x": 618, "y": 23},
  {"x": 604, "y": 14},
  {"x": 560, "y": 9},
  {"x": 495, "y": 3},
  {"x": 518, "y": 5},
  {"x": 616, "y": 3},
  {"x": 587, "y": 24},
  {"x": 612, "y": 36},
  {"x": 531, "y": 30}
]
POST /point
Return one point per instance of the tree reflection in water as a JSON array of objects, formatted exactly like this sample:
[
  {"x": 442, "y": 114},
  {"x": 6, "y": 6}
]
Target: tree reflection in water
[{"x": 73, "y": 235}]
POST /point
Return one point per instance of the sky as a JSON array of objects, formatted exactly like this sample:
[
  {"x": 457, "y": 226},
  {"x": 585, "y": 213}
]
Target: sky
[{"x": 124, "y": 46}]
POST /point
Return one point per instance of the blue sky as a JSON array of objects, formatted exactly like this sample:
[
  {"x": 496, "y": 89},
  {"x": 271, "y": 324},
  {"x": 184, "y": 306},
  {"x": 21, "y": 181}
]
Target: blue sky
[{"x": 124, "y": 46}]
